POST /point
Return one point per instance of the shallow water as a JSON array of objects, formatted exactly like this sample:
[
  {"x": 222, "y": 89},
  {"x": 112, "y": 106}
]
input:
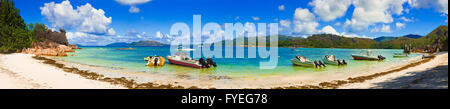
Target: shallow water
[{"x": 132, "y": 60}]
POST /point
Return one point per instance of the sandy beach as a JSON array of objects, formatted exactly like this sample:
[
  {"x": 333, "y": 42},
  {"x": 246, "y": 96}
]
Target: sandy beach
[
  {"x": 22, "y": 71},
  {"x": 430, "y": 75}
]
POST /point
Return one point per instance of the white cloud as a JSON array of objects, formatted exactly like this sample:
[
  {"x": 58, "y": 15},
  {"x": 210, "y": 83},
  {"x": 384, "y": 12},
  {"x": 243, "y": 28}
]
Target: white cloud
[
  {"x": 85, "y": 18},
  {"x": 371, "y": 12},
  {"x": 338, "y": 24},
  {"x": 407, "y": 19},
  {"x": 111, "y": 31},
  {"x": 399, "y": 25},
  {"x": 329, "y": 10},
  {"x": 285, "y": 23},
  {"x": 256, "y": 18},
  {"x": 304, "y": 21},
  {"x": 329, "y": 30},
  {"x": 384, "y": 28},
  {"x": 439, "y": 5},
  {"x": 134, "y": 9},
  {"x": 133, "y": 3},
  {"x": 159, "y": 35},
  {"x": 281, "y": 8}
]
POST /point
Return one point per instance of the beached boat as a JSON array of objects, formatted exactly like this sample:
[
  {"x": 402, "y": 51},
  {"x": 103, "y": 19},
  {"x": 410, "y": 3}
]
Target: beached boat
[
  {"x": 155, "y": 60},
  {"x": 367, "y": 55},
  {"x": 182, "y": 59},
  {"x": 400, "y": 55},
  {"x": 332, "y": 60},
  {"x": 428, "y": 56},
  {"x": 303, "y": 61}
]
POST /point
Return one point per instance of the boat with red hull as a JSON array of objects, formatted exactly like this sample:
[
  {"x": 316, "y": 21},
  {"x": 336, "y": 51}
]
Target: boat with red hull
[
  {"x": 367, "y": 55},
  {"x": 183, "y": 59},
  {"x": 184, "y": 62}
]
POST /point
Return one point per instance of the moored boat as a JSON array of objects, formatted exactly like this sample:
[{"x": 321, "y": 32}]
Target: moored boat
[
  {"x": 155, "y": 60},
  {"x": 182, "y": 59},
  {"x": 367, "y": 55},
  {"x": 303, "y": 61},
  {"x": 400, "y": 55},
  {"x": 332, "y": 60}
]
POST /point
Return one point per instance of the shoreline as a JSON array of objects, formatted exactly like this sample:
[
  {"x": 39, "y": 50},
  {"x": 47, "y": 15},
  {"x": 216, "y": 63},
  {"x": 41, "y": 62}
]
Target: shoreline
[{"x": 123, "y": 82}]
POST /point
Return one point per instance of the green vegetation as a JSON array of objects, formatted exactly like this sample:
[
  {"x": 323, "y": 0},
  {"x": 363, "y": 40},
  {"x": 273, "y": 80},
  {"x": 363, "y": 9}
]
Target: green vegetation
[
  {"x": 335, "y": 41},
  {"x": 14, "y": 33}
]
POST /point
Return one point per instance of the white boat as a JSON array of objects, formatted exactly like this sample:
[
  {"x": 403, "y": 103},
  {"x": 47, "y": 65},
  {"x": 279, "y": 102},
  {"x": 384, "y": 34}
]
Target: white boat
[
  {"x": 367, "y": 55},
  {"x": 303, "y": 61},
  {"x": 332, "y": 60}
]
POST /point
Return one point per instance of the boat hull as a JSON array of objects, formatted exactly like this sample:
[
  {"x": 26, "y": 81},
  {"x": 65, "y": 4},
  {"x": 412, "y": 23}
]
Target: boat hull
[
  {"x": 306, "y": 64},
  {"x": 357, "y": 57},
  {"x": 182, "y": 63},
  {"x": 326, "y": 61},
  {"x": 151, "y": 61}
]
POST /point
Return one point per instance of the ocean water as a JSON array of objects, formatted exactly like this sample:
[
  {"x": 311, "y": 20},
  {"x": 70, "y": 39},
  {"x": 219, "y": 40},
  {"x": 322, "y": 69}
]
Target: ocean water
[{"x": 132, "y": 61}]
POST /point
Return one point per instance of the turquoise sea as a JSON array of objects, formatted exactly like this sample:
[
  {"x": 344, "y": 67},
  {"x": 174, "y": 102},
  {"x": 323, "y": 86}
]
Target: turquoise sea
[{"x": 132, "y": 61}]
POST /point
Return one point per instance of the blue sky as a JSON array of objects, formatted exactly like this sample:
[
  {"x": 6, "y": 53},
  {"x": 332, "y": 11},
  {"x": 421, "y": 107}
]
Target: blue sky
[{"x": 108, "y": 21}]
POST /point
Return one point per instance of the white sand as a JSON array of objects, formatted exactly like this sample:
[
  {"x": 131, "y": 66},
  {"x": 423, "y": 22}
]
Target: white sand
[
  {"x": 429, "y": 75},
  {"x": 21, "y": 71}
]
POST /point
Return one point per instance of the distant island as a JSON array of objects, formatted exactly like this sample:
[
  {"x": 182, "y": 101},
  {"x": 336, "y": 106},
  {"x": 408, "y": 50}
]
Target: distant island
[
  {"x": 438, "y": 36},
  {"x": 389, "y": 38},
  {"x": 140, "y": 43}
]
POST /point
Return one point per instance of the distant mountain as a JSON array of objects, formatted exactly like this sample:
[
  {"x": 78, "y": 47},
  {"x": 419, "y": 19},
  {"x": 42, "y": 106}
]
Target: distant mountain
[
  {"x": 147, "y": 43},
  {"x": 118, "y": 44},
  {"x": 140, "y": 43},
  {"x": 440, "y": 33},
  {"x": 389, "y": 38},
  {"x": 414, "y": 36},
  {"x": 384, "y": 38}
]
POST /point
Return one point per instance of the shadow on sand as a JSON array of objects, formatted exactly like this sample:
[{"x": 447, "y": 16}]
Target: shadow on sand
[{"x": 434, "y": 78}]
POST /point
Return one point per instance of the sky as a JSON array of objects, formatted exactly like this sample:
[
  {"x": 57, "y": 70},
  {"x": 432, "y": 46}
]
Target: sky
[{"x": 101, "y": 22}]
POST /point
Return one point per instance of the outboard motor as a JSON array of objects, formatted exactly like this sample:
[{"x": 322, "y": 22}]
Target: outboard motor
[
  {"x": 343, "y": 62},
  {"x": 203, "y": 63},
  {"x": 321, "y": 64},
  {"x": 316, "y": 64},
  {"x": 339, "y": 62},
  {"x": 156, "y": 61},
  {"x": 381, "y": 57},
  {"x": 211, "y": 62}
]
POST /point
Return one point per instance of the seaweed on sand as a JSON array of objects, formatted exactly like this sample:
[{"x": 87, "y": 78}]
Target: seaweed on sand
[{"x": 128, "y": 83}]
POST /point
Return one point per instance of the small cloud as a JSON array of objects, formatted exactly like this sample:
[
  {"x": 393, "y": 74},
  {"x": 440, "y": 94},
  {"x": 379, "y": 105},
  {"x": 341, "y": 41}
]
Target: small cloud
[
  {"x": 384, "y": 28},
  {"x": 338, "y": 24},
  {"x": 407, "y": 19},
  {"x": 134, "y": 9},
  {"x": 255, "y": 18},
  {"x": 281, "y": 8},
  {"x": 236, "y": 18},
  {"x": 133, "y": 3},
  {"x": 399, "y": 25}
]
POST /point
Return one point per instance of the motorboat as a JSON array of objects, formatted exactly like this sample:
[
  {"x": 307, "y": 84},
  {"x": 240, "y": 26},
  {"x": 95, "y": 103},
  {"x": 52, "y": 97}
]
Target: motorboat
[
  {"x": 183, "y": 59},
  {"x": 400, "y": 55},
  {"x": 367, "y": 55},
  {"x": 155, "y": 60},
  {"x": 303, "y": 61},
  {"x": 332, "y": 60}
]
